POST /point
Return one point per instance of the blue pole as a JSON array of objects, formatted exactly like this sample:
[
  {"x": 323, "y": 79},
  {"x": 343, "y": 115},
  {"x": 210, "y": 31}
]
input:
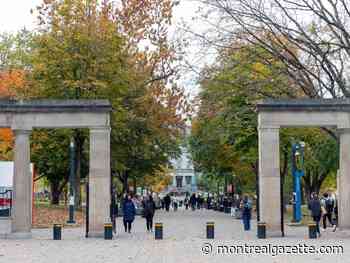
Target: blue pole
[
  {"x": 297, "y": 173},
  {"x": 294, "y": 146}
]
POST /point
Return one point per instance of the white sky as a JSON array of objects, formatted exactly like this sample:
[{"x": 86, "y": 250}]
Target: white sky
[{"x": 15, "y": 14}]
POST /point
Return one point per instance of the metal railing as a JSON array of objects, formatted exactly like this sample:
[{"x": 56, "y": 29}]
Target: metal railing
[{"x": 5, "y": 203}]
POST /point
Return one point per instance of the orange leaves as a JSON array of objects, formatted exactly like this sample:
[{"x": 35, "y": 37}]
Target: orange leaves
[
  {"x": 10, "y": 82},
  {"x": 6, "y": 135},
  {"x": 6, "y": 143}
]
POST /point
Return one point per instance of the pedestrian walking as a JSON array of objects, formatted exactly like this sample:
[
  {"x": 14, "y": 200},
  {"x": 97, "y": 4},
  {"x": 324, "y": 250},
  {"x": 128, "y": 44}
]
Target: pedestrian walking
[
  {"x": 186, "y": 202},
  {"x": 246, "y": 212},
  {"x": 167, "y": 201},
  {"x": 149, "y": 208},
  {"x": 328, "y": 209},
  {"x": 129, "y": 212},
  {"x": 315, "y": 208},
  {"x": 193, "y": 201}
]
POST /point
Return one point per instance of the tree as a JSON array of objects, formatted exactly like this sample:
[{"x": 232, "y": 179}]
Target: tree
[
  {"x": 14, "y": 58},
  {"x": 50, "y": 154},
  {"x": 224, "y": 134},
  {"x": 88, "y": 49},
  {"x": 310, "y": 37}
]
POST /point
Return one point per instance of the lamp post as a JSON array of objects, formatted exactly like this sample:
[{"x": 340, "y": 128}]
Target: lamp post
[
  {"x": 71, "y": 181},
  {"x": 297, "y": 172}
]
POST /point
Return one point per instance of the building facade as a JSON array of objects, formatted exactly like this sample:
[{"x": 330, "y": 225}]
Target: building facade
[{"x": 184, "y": 178}]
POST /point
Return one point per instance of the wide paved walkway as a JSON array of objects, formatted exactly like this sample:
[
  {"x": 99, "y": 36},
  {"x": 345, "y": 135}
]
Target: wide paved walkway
[{"x": 184, "y": 239}]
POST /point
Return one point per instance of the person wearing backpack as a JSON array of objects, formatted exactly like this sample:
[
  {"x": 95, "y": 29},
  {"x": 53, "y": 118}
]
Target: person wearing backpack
[
  {"x": 328, "y": 208},
  {"x": 246, "y": 208},
  {"x": 149, "y": 208}
]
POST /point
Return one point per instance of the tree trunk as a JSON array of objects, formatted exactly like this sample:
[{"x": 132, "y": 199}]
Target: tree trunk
[
  {"x": 55, "y": 193},
  {"x": 125, "y": 182},
  {"x": 134, "y": 185}
]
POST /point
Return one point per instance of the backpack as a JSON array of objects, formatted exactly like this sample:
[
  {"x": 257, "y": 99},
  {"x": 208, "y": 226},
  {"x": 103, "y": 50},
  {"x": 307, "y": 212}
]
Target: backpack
[
  {"x": 329, "y": 205},
  {"x": 247, "y": 206}
]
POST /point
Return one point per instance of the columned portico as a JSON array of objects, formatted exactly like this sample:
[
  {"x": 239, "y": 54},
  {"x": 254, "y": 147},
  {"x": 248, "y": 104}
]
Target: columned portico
[
  {"x": 22, "y": 117},
  {"x": 22, "y": 186},
  {"x": 276, "y": 114},
  {"x": 99, "y": 180},
  {"x": 269, "y": 179}
]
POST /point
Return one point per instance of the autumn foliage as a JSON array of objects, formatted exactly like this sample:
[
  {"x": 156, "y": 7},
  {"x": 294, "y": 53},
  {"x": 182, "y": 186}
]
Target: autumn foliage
[{"x": 10, "y": 82}]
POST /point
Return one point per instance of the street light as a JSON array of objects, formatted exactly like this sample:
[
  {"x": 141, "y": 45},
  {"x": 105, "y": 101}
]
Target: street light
[
  {"x": 297, "y": 172},
  {"x": 71, "y": 181}
]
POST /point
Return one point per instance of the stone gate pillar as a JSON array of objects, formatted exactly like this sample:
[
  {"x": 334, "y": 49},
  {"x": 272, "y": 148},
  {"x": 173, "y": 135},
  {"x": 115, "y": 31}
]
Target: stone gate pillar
[
  {"x": 22, "y": 187},
  {"x": 99, "y": 180},
  {"x": 269, "y": 180},
  {"x": 344, "y": 179}
]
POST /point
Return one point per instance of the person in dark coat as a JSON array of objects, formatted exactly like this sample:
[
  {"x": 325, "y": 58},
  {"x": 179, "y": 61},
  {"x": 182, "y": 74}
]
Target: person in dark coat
[
  {"x": 149, "y": 208},
  {"x": 186, "y": 202},
  {"x": 246, "y": 212},
  {"x": 129, "y": 213},
  {"x": 193, "y": 201},
  {"x": 315, "y": 208},
  {"x": 167, "y": 201}
]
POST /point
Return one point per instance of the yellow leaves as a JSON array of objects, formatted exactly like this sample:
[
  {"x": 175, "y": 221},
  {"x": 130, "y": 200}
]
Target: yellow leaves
[
  {"x": 158, "y": 180},
  {"x": 259, "y": 71}
]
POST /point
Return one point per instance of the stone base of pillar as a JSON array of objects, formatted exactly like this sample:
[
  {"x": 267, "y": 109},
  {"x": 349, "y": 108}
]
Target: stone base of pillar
[
  {"x": 20, "y": 235},
  {"x": 275, "y": 233},
  {"x": 96, "y": 234}
]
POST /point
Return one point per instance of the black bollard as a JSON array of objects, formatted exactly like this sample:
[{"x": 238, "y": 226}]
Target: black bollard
[
  {"x": 210, "y": 230},
  {"x": 57, "y": 230},
  {"x": 261, "y": 230},
  {"x": 312, "y": 230},
  {"x": 108, "y": 231},
  {"x": 158, "y": 231}
]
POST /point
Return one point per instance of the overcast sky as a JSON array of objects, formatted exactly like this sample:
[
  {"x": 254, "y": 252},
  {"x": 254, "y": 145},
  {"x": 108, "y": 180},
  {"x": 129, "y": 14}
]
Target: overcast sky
[{"x": 15, "y": 15}]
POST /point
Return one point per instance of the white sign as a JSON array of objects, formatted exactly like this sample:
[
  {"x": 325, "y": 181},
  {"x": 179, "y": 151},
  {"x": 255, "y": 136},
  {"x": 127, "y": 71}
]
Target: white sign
[
  {"x": 6, "y": 173},
  {"x": 71, "y": 200}
]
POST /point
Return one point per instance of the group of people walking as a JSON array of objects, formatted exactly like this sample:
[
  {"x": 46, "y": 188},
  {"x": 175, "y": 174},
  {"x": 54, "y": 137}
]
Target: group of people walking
[
  {"x": 129, "y": 212},
  {"x": 324, "y": 209}
]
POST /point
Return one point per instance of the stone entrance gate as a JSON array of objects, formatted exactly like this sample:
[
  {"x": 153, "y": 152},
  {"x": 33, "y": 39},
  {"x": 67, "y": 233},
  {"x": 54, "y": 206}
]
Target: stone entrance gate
[
  {"x": 276, "y": 114},
  {"x": 22, "y": 117}
]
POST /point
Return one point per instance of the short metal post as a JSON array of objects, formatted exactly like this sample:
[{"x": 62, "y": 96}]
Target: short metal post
[
  {"x": 57, "y": 232},
  {"x": 108, "y": 227},
  {"x": 210, "y": 230},
  {"x": 158, "y": 231},
  {"x": 312, "y": 230},
  {"x": 261, "y": 230}
]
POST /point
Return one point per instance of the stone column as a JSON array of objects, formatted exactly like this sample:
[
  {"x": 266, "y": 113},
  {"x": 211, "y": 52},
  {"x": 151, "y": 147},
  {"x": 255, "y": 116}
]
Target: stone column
[
  {"x": 99, "y": 180},
  {"x": 344, "y": 179},
  {"x": 22, "y": 186},
  {"x": 269, "y": 180}
]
